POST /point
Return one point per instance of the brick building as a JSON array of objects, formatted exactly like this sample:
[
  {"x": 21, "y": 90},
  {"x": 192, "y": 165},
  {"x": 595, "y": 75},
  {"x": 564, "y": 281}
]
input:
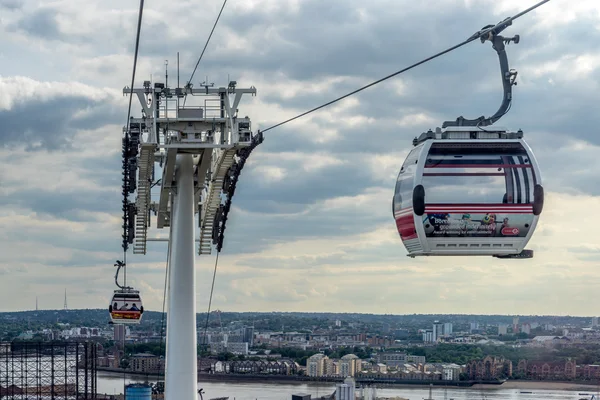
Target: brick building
[
  {"x": 489, "y": 368},
  {"x": 546, "y": 370}
]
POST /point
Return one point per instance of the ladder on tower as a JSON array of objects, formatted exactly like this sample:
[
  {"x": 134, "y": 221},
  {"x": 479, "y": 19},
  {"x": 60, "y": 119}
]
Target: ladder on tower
[
  {"x": 212, "y": 200},
  {"x": 142, "y": 218}
]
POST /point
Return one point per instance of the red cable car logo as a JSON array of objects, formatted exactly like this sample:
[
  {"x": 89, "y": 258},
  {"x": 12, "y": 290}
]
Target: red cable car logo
[{"x": 510, "y": 231}]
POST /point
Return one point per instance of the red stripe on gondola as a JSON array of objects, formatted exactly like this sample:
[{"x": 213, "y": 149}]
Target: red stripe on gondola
[
  {"x": 478, "y": 166},
  {"x": 479, "y": 205},
  {"x": 465, "y": 174},
  {"x": 479, "y": 208},
  {"x": 405, "y": 223}
]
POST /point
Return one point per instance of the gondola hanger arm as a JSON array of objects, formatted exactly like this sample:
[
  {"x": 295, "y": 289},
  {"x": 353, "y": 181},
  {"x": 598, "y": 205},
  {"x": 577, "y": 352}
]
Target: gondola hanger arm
[{"x": 119, "y": 265}]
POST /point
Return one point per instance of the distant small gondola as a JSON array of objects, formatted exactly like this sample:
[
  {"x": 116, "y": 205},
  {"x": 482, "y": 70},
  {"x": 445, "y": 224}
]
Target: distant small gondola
[{"x": 126, "y": 307}]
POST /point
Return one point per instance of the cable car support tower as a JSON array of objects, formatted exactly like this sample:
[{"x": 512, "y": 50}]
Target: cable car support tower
[{"x": 201, "y": 151}]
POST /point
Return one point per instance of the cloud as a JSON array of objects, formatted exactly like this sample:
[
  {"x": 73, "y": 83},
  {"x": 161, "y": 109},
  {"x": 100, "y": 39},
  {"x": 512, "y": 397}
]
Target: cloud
[
  {"x": 49, "y": 114},
  {"x": 312, "y": 226},
  {"x": 11, "y": 4}
]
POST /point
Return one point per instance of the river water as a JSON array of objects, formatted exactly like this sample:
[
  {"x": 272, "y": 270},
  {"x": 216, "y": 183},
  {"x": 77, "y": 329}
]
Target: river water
[{"x": 111, "y": 384}]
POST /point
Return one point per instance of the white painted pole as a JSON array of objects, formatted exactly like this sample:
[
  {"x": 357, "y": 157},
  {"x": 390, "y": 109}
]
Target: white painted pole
[{"x": 181, "y": 370}]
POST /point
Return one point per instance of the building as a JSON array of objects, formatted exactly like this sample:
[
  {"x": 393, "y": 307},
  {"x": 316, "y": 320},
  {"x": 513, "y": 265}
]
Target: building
[
  {"x": 301, "y": 396},
  {"x": 237, "y": 348},
  {"x": 489, "y": 368},
  {"x": 379, "y": 367},
  {"x": 395, "y": 359},
  {"x": 218, "y": 348},
  {"x": 401, "y": 334},
  {"x": 350, "y": 364},
  {"x": 447, "y": 328},
  {"x": 119, "y": 333},
  {"x": 543, "y": 370},
  {"x": 502, "y": 329},
  {"x": 392, "y": 359},
  {"x": 428, "y": 336},
  {"x": 145, "y": 362},
  {"x": 549, "y": 341},
  {"x": 438, "y": 330},
  {"x": 315, "y": 365},
  {"x": 448, "y": 372},
  {"x": 451, "y": 372},
  {"x": 415, "y": 359},
  {"x": 249, "y": 335},
  {"x": 591, "y": 371},
  {"x": 332, "y": 367},
  {"x": 346, "y": 390}
]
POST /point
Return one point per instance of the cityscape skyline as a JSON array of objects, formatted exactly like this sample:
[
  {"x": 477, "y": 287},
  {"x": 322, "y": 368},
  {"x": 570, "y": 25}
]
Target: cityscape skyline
[
  {"x": 311, "y": 226},
  {"x": 321, "y": 311}
]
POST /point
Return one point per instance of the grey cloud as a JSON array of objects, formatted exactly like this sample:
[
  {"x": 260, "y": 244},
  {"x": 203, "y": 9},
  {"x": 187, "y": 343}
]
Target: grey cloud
[
  {"x": 83, "y": 244},
  {"x": 52, "y": 122},
  {"x": 11, "y": 4},
  {"x": 323, "y": 39},
  {"x": 302, "y": 187},
  {"x": 41, "y": 23},
  {"x": 393, "y": 255},
  {"x": 585, "y": 253},
  {"x": 331, "y": 39},
  {"x": 82, "y": 259},
  {"x": 64, "y": 204},
  {"x": 584, "y": 250}
]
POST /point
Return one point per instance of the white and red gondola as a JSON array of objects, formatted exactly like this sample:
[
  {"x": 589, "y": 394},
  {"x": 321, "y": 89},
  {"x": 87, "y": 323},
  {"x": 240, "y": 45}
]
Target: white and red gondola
[
  {"x": 126, "y": 306},
  {"x": 466, "y": 190}
]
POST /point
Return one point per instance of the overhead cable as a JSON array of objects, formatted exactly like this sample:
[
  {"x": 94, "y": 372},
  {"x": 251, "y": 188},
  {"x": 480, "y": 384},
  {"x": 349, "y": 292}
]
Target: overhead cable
[
  {"x": 135, "y": 57},
  {"x": 207, "y": 41},
  {"x": 483, "y": 33},
  {"x": 126, "y": 211}
]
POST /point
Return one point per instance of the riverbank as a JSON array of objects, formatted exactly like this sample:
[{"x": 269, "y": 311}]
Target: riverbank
[
  {"x": 291, "y": 379},
  {"x": 295, "y": 380},
  {"x": 542, "y": 385}
]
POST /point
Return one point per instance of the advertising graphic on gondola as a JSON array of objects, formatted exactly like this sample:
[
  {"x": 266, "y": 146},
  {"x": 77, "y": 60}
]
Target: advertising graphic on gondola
[{"x": 477, "y": 225}]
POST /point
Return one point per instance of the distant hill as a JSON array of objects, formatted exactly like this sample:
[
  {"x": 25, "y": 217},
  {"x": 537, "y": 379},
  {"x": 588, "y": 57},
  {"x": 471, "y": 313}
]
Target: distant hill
[{"x": 287, "y": 321}]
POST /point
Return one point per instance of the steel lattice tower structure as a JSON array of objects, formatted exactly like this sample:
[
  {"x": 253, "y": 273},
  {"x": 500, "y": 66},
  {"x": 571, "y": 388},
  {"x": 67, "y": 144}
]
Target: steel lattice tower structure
[{"x": 201, "y": 150}]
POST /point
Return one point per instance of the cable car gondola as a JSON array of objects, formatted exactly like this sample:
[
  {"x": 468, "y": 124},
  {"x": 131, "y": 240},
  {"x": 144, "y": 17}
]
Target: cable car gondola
[
  {"x": 466, "y": 190},
  {"x": 126, "y": 305}
]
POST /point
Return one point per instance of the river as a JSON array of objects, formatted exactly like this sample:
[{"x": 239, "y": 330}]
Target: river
[{"x": 113, "y": 384}]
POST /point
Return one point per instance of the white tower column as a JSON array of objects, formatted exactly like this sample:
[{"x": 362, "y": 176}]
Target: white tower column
[{"x": 181, "y": 359}]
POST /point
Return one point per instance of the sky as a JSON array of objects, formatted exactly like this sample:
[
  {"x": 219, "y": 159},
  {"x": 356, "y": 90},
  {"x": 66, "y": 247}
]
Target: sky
[{"x": 311, "y": 228}]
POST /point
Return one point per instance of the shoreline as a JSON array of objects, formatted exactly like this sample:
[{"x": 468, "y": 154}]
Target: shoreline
[{"x": 583, "y": 387}]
